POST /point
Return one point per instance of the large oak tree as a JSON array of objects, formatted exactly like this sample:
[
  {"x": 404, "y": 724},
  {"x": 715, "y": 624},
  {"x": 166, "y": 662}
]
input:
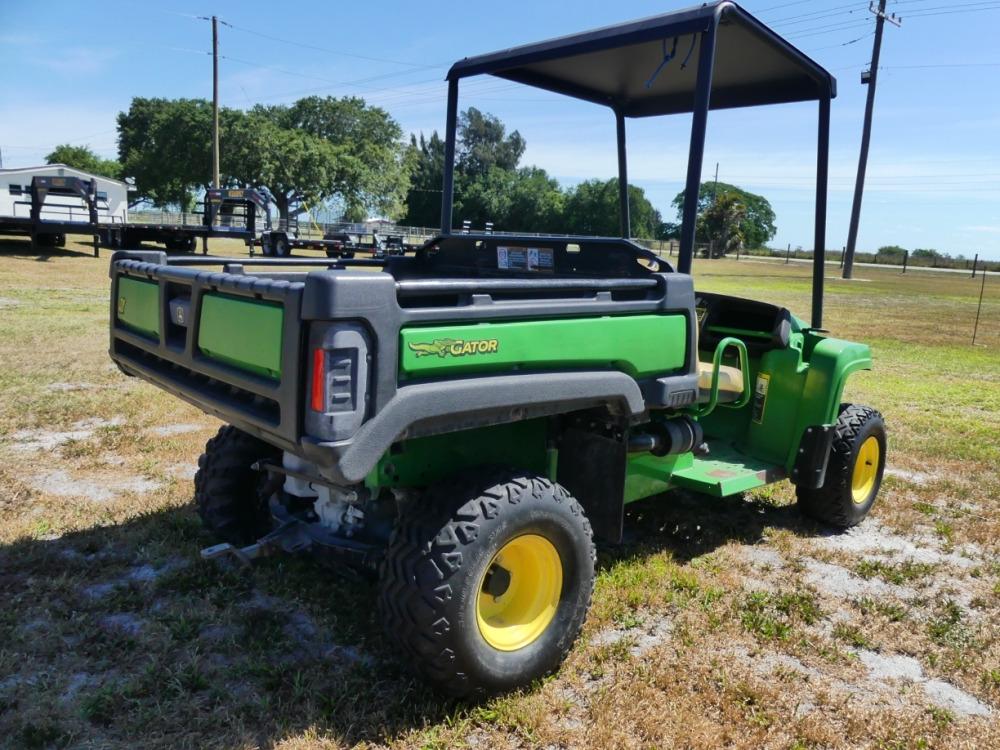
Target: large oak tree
[{"x": 312, "y": 151}]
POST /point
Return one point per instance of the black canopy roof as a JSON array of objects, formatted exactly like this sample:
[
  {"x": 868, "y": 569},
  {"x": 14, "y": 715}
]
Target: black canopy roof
[{"x": 620, "y": 66}]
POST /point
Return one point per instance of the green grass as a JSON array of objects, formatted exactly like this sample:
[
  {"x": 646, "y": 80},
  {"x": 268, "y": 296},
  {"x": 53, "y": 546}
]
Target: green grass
[
  {"x": 774, "y": 616},
  {"x": 897, "y": 573}
]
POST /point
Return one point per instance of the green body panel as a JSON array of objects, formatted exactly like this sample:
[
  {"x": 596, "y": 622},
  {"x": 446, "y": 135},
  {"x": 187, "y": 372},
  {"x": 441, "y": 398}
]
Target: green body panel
[
  {"x": 647, "y": 475},
  {"x": 831, "y": 361},
  {"x": 640, "y": 345},
  {"x": 243, "y": 333},
  {"x": 750, "y": 446},
  {"x": 772, "y": 437},
  {"x": 804, "y": 385},
  {"x": 422, "y": 461},
  {"x": 138, "y": 305}
]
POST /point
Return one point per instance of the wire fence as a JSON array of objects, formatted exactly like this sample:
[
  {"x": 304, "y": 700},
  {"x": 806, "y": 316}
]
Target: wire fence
[{"x": 307, "y": 228}]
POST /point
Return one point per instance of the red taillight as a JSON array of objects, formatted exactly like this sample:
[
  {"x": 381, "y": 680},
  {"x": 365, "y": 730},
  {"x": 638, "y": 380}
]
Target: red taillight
[{"x": 318, "y": 400}]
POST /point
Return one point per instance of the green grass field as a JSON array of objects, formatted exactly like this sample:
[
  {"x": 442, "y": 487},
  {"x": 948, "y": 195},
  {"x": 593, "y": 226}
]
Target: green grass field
[{"x": 716, "y": 624}]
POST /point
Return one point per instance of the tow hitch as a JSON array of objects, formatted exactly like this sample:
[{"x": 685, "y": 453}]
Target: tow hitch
[{"x": 288, "y": 537}]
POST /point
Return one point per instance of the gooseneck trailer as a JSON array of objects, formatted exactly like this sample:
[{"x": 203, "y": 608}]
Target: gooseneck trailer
[
  {"x": 231, "y": 213},
  {"x": 49, "y": 218},
  {"x": 463, "y": 423}
]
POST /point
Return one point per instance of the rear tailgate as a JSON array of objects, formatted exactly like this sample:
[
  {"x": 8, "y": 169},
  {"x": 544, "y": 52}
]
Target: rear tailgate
[{"x": 228, "y": 343}]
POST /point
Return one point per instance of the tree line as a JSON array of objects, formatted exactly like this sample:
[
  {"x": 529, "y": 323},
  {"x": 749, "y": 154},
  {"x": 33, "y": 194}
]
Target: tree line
[{"x": 322, "y": 150}]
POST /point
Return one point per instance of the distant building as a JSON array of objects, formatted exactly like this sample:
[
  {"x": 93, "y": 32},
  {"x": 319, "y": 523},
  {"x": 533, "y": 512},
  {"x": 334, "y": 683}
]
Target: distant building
[{"x": 15, "y": 196}]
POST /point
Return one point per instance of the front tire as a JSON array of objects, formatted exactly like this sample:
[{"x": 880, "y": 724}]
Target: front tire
[
  {"x": 227, "y": 491},
  {"x": 854, "y": 472},
  {"x": 487, "y": 581}
]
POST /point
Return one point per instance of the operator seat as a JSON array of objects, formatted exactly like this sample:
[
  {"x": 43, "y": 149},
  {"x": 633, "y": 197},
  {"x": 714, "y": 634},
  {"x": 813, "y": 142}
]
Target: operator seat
[{"x": 730, "y": 383}]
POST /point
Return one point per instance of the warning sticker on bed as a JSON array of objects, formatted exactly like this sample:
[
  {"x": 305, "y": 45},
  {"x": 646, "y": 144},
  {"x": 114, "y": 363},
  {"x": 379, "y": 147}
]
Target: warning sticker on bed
[
  {"x": 514, "y": 258},
  {"x": 760, "y": 396}
]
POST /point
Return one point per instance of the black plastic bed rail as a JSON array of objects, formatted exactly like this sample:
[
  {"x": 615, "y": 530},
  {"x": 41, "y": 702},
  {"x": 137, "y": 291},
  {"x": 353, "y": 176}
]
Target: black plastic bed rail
[{"x": 173, "y": 360}]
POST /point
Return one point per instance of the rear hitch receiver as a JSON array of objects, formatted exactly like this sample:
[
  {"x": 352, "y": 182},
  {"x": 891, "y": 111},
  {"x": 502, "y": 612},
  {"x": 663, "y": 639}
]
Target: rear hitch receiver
[{"x": 286, "y": 537}]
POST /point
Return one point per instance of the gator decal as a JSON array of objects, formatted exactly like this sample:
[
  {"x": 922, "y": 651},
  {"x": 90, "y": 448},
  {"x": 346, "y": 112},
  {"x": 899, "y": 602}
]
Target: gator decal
[
  {"x": 640, "y": 345},
  {"x": 454, "y": 347}
]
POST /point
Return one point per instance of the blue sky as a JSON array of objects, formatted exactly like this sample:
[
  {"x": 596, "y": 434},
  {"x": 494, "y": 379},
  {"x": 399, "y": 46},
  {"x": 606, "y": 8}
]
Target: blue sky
[{"x": 934, "y": 175}]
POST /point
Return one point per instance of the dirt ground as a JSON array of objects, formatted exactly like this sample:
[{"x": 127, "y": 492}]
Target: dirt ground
[{"x": 717, "y": 623}]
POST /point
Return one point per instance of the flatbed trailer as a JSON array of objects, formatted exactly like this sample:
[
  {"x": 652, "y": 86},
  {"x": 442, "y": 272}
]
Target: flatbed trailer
[
  {"x": 232, "y": 213},
  {"x": 175, "y": 237},
  {"x": 280, "y": 242}
]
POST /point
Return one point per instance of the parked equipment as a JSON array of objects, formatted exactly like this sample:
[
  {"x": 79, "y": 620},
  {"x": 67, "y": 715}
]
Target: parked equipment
[
  {"x": 233, "y": 213},
  {"x": 280, "y": 241},
  {"x": 48, "y": 202},
  {"x": 462, "y": 423}
]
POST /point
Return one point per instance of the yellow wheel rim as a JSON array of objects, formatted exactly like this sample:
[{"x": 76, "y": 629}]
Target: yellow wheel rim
[
  {"x": 519, "y": 592},
  {"x": 865, "y": 470}
]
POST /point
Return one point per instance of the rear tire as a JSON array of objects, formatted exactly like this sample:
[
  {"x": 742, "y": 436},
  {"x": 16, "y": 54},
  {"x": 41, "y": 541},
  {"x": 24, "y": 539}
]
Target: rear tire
[
  {"x": 280, "y": 246},
  {"x": 854, "y": 472},
  {"x": 466, "y": 622},
  {"x": 227, "y": 491}
]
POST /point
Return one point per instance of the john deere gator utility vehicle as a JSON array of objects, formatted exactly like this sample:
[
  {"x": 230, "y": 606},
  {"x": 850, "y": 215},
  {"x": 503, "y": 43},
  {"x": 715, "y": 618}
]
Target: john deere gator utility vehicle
[{"x": 465, "y": 420}]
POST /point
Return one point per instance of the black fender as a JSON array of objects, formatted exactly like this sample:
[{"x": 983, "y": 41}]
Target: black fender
[{"x": 448, "y": 406}]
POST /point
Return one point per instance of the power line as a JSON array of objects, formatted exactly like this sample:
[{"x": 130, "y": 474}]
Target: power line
[
  {"x": 783, "y": 5},
  {"x": 340, "y": 52},
  {"x": 953, "y": 6},
  {"x": 942, "y": 65},
  {"x": 844, "y": 44},
  {"x": 952, "y": 12},
  {"x": 819, "y": 31},
  {"x": 819, "y": 15}
]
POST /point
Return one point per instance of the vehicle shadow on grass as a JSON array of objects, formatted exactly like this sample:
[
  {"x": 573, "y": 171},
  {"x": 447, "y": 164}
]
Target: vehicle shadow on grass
[
  {"x": 137, "y": 637},
  {"x": 122, "y": 636},
  {"x": 21, "y": 248},
  {"x": 690, "y": 525}
]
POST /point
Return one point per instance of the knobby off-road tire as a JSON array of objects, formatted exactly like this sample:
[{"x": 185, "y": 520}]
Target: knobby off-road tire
[
  {"x": 854, "y": 472},
  {"x": 442, "y": 575},
  {"x": 226, "y": 489}
]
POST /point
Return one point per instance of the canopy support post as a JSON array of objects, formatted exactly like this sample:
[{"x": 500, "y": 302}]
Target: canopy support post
[
  {"x": 696, "y": 153},
  {"x": 448, "y": 184},
  {"x": 819, "y": 244},
  {"x": 623, "y": 207}
]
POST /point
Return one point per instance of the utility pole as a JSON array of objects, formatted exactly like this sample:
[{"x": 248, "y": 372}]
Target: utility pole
[
  {"x": 215, "y": 95},
  {"x": 715, "y": 197},
  {"x": 215, "y": 100},
  {"x": 866, "y": 134}
]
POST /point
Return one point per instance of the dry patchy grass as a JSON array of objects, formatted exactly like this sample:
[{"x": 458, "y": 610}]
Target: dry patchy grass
[{"x": 716, "y": 624}]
